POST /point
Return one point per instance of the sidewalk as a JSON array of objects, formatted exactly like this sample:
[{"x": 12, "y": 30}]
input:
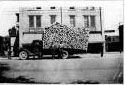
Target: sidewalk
[{"x": 98, "y": 55}]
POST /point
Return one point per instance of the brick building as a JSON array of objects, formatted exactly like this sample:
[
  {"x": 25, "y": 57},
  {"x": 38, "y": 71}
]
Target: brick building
[{"x": 32, "y": 22}]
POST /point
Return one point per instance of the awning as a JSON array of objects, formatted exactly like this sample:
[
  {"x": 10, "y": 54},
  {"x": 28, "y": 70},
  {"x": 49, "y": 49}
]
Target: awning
[{"x": 96, "y": 38}]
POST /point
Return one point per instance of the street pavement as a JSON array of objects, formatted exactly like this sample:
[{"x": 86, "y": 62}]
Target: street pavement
[{"x": 80, "y": 68}]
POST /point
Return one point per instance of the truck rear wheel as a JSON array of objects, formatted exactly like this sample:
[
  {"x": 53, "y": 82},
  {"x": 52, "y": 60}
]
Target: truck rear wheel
[
  {"x": 65, "y": 54},
  {"x": 23, "y": 55}
]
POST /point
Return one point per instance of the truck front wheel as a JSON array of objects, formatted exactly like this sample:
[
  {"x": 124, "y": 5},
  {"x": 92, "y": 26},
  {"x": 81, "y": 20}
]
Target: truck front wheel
[
  {"x": 65, "y": 54},
  {"x": 23, "y": 55}
]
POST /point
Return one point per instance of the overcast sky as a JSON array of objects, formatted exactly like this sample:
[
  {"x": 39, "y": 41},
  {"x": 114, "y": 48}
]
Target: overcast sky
[{"x": 113, "y": 11}]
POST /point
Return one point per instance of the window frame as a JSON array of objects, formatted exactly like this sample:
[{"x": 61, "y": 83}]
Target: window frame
[
  {"x": 39, "y": 22},
  {"x": 94, "y": 19},
  {"x": 31, "y": 24},
  {"x": 72, "y": 20},
  {"x": 52, "y": 17},
  {"x": 92, "y": 28},
  {"x": 86, "y": 22},
  {"x": 35, "y": 21}
]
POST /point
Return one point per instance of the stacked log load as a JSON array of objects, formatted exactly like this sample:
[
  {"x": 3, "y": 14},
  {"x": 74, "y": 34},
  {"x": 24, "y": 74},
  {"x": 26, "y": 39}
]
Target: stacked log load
[{"x": 71, "y": 38}]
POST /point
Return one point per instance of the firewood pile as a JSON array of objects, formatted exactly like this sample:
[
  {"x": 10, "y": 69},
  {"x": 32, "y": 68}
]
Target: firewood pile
[{"x": 71, "y": 38}]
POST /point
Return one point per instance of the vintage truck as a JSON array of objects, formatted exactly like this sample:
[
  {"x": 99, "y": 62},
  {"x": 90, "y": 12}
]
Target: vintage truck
[{"x": 56, "y": 37}]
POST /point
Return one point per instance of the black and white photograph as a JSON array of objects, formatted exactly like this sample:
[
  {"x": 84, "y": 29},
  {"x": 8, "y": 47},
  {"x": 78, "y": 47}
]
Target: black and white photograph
[{"x": 61, "y": 42}]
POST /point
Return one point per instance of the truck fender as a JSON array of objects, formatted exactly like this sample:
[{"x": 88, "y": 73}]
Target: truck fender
[{"x": 23, "y": 49}]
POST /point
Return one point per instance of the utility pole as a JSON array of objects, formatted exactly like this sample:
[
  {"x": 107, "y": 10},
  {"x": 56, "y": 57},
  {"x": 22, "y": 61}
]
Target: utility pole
[
  {"x": 102, "y": 31},
  {"x": 100, "y": 19},
  {"x": 61, "y": 14}
]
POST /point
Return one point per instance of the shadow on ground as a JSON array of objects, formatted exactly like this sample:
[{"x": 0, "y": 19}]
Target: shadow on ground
[
  {"x": 3, "y": 79},
  {"x": 84, "y": 82},
  {"x": 22, "y": 79},
  {"x": 48, "y": 57}
]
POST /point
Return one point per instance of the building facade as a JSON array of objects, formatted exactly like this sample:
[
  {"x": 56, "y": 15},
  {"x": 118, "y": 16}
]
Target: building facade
[
  {"x": 114, "y": 39},
  {"x": 32, "y": 21},
  {"x": 112, "y": 43}
]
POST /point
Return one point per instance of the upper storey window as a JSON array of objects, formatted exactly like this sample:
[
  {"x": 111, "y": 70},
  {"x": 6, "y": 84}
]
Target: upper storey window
[
  {"x": 35, "y": 21},
  {"x": 90, "y": 22},
  {"x": 52, "y": 19},
  {"x": 52, "y": 7},
  {"x": 86, "y": 21},
  {"x": 72, "y": 20},
  {"x": 31, "y": 21},
  {"x": 92, "y": 18},
  {"x": 71, "y": 7},
  {"x": 38, "y": 21}
]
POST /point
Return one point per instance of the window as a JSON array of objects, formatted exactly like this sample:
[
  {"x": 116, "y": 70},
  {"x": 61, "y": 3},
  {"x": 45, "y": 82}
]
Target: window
[
  {"x": 35, "y": 21},
  {"x": 52, "y": 7},
  {"x": 53, "y": 18},
  {"x": 89, "y": 22},
  {"x": 71, "y": 8},
  {"x": 17, "y": 15},
  {"x": 72, "y": 20},
  {"x": 92, "y": 19},
  {"x": 86, "y": 21},
  {"x": 38, "y": 21},
  {"x": 92, "y": 8},
  {"x": 31, "y": 21},
  {"x": 38, "y": 7}
]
